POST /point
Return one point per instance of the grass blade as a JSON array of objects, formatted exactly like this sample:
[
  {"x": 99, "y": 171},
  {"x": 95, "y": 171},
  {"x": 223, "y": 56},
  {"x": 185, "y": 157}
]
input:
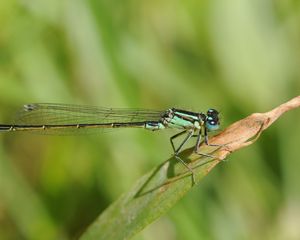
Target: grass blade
[{"x": 159, "y": 190}]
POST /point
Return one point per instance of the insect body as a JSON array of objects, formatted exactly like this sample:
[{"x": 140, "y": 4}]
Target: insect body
[{"x": 71, "y": 119}]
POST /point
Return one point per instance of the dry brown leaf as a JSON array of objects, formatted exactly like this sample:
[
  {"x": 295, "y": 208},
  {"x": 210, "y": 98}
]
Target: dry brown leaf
[{"x": 244, "y": 132}]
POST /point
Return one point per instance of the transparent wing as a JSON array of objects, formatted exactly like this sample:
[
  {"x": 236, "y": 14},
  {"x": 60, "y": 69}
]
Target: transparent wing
[{"x": 65, "y": 114}]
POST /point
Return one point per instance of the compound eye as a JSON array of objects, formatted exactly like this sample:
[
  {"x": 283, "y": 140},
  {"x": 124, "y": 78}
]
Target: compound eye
[
  {"x": 212, "y": 125},
  {"x": 212, "y": 120},
  {"x": 212, "y": 112}
]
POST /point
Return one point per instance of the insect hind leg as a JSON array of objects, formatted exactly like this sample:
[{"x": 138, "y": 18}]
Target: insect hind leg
[{"x": 176, "y": 151}]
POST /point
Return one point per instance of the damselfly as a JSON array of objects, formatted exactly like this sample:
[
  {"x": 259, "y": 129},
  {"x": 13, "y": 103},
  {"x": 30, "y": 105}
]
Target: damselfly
[{"x": 51, "y": 118}]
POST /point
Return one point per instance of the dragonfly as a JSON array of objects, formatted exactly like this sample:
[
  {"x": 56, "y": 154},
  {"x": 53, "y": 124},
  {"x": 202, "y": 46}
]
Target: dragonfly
[{"x": 65, "y": 119}]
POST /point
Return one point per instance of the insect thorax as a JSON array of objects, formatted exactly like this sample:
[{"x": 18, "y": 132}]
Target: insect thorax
[{"x": 182, "y": 119}]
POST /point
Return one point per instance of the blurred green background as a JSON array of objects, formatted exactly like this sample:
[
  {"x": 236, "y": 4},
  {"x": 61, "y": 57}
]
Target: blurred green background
[{"x": 237, "y": 56}]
